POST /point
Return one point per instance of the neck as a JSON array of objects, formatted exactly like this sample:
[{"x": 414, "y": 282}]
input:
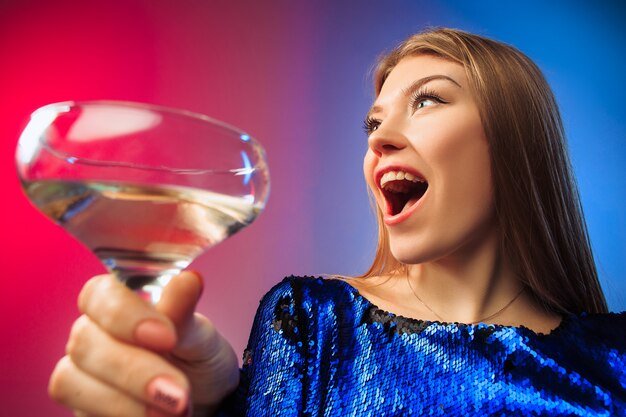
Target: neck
[{"x": 468, "y": 286}]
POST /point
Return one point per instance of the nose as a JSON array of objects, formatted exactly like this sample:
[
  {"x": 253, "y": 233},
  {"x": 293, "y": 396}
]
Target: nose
[{"x": 386, "y": 140}]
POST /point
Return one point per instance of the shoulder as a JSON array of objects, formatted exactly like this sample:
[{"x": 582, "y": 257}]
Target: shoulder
[
  {"x": 592, "y": 347},
  {"x": 604, "y": 328},
  {"x": 311, "y": 301},
  {"x": 595, "y": 333},
  {"x": 309, "y": 289}
]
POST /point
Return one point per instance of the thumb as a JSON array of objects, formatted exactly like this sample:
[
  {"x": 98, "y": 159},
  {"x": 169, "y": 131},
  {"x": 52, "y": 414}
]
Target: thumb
[
  {"x": 201, "y": 352},
  {"x": 179, "y": 299}
]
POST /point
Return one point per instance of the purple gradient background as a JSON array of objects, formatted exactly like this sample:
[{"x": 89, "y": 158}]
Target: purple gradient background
[{"x": 295, "y": 75}]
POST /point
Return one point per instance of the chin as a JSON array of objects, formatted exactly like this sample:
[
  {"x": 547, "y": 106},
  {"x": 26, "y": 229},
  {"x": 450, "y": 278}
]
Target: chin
[{"x": 411, "y": 254}]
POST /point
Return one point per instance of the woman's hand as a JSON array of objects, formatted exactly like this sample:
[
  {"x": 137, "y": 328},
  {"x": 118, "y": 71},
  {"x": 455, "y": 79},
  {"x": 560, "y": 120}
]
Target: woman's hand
[{"x": 126, "y": 358}]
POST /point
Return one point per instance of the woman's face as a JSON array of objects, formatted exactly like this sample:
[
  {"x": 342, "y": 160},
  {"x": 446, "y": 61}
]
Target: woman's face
[{"x": 428, "y": 163}]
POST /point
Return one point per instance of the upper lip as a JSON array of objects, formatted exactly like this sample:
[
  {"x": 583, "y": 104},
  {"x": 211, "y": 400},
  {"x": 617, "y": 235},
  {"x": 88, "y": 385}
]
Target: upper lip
[{"x": 383, "y": 170}]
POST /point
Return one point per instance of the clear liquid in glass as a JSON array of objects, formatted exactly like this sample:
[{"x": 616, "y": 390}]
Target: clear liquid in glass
[{"x": 142, "y": 233}]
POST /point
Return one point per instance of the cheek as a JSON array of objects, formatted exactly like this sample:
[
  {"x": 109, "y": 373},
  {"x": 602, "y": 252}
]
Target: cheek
[
  {"x": 464, "y": 169},
  {"x": 469, "y": 171},
  {"x": 463, "y": 155}
]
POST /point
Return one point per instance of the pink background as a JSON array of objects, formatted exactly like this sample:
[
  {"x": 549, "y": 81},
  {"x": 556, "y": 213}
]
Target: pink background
[
  {"x": 253, "y": 71},
  {"x": 294, "y": 75}
]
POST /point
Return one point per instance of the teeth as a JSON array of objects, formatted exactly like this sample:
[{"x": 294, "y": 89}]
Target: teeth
[{"x": 398, "y": 175}]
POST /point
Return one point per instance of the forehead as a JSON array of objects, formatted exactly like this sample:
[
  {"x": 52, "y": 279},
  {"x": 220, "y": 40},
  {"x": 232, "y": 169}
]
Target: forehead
[{"x": 413, "y": 68}]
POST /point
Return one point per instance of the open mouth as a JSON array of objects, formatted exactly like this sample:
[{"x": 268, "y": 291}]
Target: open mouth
[{"x": 401, "y": 190}]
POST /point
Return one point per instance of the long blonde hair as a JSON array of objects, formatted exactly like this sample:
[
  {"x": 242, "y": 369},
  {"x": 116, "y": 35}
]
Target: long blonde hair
[{"x": 537, "y": 204}]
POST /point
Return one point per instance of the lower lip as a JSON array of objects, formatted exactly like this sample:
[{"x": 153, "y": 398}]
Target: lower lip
[{"x": 400, "y": 217}]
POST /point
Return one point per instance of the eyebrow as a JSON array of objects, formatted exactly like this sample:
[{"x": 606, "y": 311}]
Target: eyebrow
[{"x": 416, "y": 85}]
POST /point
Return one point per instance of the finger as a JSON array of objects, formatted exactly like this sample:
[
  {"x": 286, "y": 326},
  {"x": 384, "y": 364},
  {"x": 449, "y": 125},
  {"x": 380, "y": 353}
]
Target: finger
[
  {"x": 122, "y": 313},
  {"x": 179, "y": 299},
  {"x": 81, "y": 413},
  {"x": 75, "y": 389},
  {"x": 139, "y": 373}
]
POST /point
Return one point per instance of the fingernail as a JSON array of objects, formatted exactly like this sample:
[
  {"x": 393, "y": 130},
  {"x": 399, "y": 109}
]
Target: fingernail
[
  {"x": 166, "y": 395},
  {"x": 154, "y": 334}
]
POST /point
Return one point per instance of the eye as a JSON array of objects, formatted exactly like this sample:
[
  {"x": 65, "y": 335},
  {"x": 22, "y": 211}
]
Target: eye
[
  {"x": 425, "y": 102},
  {"x": 425, "y": 98},
  {"x": 370, "y": 125}
]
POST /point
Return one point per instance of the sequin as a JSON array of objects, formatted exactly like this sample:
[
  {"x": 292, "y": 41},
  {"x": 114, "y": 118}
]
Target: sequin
[{"x": 318, "y": 348}]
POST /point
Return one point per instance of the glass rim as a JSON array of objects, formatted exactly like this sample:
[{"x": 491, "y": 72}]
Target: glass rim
[
  {"x": 58, "y": 108},
  {"x": 146, "y": 106}
]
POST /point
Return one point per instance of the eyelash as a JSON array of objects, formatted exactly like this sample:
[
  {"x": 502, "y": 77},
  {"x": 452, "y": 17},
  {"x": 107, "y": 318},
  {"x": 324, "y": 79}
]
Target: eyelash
[
  {"x": 424, "y": 94},
  {"x": 370, "y": 124}
]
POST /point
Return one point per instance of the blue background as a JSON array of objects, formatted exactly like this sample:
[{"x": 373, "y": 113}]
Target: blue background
[{"x": 580, "y": 49}]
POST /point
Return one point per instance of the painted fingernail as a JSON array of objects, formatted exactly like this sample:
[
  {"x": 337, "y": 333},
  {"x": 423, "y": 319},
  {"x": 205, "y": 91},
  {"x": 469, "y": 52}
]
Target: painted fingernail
[
  {"x": 154, "y": 334},
  {"x": 167, "y": 395}
]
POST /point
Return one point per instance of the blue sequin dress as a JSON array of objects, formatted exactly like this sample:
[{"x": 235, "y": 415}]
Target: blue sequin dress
[{"x": 318, "y": 348}]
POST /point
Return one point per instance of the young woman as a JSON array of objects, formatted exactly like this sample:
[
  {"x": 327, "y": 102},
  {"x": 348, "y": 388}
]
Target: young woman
[{"x": 483, "y": 298}]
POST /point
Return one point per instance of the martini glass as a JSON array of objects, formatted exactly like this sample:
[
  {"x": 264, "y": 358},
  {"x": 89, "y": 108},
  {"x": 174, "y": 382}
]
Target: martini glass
[{"x": 146, "y": 188}]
